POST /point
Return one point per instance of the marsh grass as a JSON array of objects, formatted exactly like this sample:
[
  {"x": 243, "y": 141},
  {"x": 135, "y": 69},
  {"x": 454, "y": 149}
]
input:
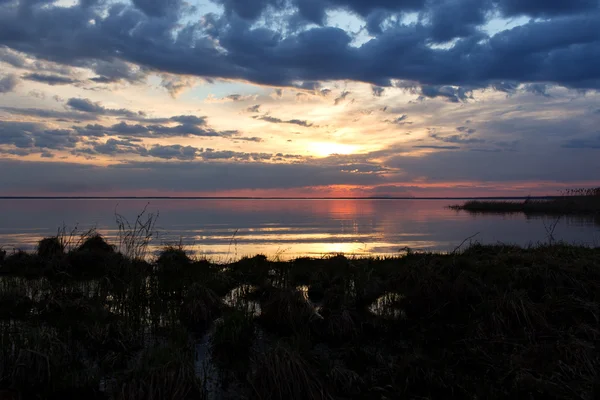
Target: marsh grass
[
  {"x": 571, "y": 202},
  {"x": 283, "y": 373},
  {"x": 88, "y": 321}
]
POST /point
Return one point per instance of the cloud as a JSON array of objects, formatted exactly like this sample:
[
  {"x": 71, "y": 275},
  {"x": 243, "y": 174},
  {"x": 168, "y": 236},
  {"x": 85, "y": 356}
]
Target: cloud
[
  {"x": 232, "y": 46},
  {"x": 189, "y": 119},
  {"x": 254, "y": 109},
  {"x": 401, "y": 120},
  {"x": 205, "y": 176},
  {"x": 377, "y": 91},
  {"x": 230, "y": 98},
  {"x": 38, "y": 94},
  {"x": 543, "y": 164},
  {"x": 174, "y": 152},
  {"x": 274, "y": 120},
  {"x": 249, "y": 139},
  {"x": 8, "y": 83},
  {"x": 540, "y": 89},
  {"x": 49, "y": 113},
  {"x": 192, "y": 128},
  {"x": 583, "y": 143},
  {"x": 540, "y": 8},
  {"x": 88, "y": 106},
  {"x": 452, "y": 94},
  {"x": 50, "y": 79},
  {"x": 12, "y": 58},
  {"x": 30, "y": 137},
  {"x": 465, "y": 136},
  {"x": 157, "y": 8},
  {"x": 452, "y": 19},
  {"x": 341, "y": 97},
  {"x": 435, "y": 147},
  {"x": 117, "y": 70},
  {"x": 175, "y": 85}
]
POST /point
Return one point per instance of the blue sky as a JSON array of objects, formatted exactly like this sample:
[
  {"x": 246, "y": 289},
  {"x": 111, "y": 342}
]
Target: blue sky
[{"x": 298, "y": 97}]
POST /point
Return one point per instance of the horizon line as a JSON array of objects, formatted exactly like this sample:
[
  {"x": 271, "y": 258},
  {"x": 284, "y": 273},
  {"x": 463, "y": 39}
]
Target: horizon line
[{"x": 267, "y": 198}]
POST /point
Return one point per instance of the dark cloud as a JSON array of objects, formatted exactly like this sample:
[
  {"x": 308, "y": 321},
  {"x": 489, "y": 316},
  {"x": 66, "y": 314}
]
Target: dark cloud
[
  {"x": 507, "y": 87},
  {"x": 88, "y": 106},
  {"x": 274, "y": 120},
  {"x": 12, "y": 58},
  {"x": 189, "y": 119},
  {"x": 112, "y": 147},
  {"x": 545, "y": 8},
  {"x": 254, "y": 109},
  {"x": 186, "y": 130},
  {"x": 155, "y": 130},
  {"x": 235, "y": 97},
  {"x": 377, "y": 91},
  {"x": 341, "y": 97},
  {"x": 176, "y": 84},
  {"x": 401, "y": 120},
  {"x": 210, "y": 154},
  {"x": 47, "y": 113},
  {"x": 157, "y": 8},
  {"x": 435, "y": 147},
  {"x": 457, "y": 19},
  {"x": 116, "y": 70},
  {"x": 560, "y": 48},
  {"x": 465, "y": 136},
  {"x": 547, "y": 164},
  {"x": 583, "y": 143},
  {"x": 32, "y": 136},
  {"x": 540, "y": 89},
  {"x": 450, "y": 93},
  {"x": 312, "y": 11},
  {"x": 249, "y": 139},
  {"x": 177, "y": 152},
  {"x": 57, "y": 177},
  {"x": 8, "y": 83},
  {"x": 50, "y": 79},
  {"x": 463, "y": 139}
]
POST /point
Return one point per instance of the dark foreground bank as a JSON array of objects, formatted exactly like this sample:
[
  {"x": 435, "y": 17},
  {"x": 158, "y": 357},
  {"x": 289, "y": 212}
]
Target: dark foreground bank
[
  {"x": 490, "y": 322},
  {"x": 572, "y": 202}
]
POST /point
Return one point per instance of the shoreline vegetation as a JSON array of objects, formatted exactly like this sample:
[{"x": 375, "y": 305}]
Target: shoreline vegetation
[
  {"x": 82, "y": 318},
  {"x": 571, "y": 202}
]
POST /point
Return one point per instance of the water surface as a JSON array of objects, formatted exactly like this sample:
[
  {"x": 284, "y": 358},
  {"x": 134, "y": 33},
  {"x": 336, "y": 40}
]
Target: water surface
[{"x": 229, "y": 229}]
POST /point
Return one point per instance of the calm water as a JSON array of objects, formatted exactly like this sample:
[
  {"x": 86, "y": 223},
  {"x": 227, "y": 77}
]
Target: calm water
[{"x": 229, "y": 229}]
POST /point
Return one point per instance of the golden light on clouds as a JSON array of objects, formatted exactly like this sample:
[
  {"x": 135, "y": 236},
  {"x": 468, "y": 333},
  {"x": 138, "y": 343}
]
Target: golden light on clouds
[{"x": 325, "y": 149}]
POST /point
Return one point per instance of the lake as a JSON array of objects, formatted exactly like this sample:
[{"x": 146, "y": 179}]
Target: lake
[{"x": 224, "y": 230}]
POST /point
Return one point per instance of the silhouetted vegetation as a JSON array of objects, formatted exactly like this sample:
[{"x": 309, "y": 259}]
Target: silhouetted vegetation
[
  {"x": 571, "y": 202},
  {"x": 488, "y": 322}
]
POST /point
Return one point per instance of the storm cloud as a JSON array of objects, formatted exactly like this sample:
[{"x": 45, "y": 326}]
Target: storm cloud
[{"x": 161, "y": 38}]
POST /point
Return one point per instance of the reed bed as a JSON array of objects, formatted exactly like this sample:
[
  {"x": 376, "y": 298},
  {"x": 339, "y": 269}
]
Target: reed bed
[{"x": 89, "y": 321}]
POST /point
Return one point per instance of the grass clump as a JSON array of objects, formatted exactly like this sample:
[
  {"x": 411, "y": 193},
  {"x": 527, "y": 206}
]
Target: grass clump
[
  {"x": 231, "y": 342},
  {"x": 287, "y": 312},
  {"x": 160, "y": 373},
  {"x": 200, "y": 307},
  {"x": 50, "y": 248},
  {"x": 281, "y": 373}
]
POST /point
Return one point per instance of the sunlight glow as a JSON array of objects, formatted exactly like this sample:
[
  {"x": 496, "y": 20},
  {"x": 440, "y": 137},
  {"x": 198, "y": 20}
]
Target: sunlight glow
[{"x": 325, "y": 149}]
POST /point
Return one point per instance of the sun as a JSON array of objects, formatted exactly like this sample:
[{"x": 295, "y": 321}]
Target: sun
[{"x": 324, "y": 149}]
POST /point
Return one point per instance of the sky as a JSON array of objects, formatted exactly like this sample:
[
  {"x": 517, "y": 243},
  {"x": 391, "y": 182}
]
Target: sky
[{"x": 290, "y": 98}]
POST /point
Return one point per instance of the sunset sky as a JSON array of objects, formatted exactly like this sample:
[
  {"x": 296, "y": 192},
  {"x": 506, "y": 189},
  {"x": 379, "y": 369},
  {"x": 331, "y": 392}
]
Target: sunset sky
[{"x": 299, "y": 97}]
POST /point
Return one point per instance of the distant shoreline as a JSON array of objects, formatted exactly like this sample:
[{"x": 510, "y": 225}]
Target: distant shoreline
[{"x": 266, "y": 198}]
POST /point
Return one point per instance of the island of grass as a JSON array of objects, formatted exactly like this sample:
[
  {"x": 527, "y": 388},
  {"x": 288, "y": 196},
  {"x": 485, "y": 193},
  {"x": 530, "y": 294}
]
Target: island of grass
[
  {"x": 489, "y": 322},
  {"x": 572, "y": 202}
]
